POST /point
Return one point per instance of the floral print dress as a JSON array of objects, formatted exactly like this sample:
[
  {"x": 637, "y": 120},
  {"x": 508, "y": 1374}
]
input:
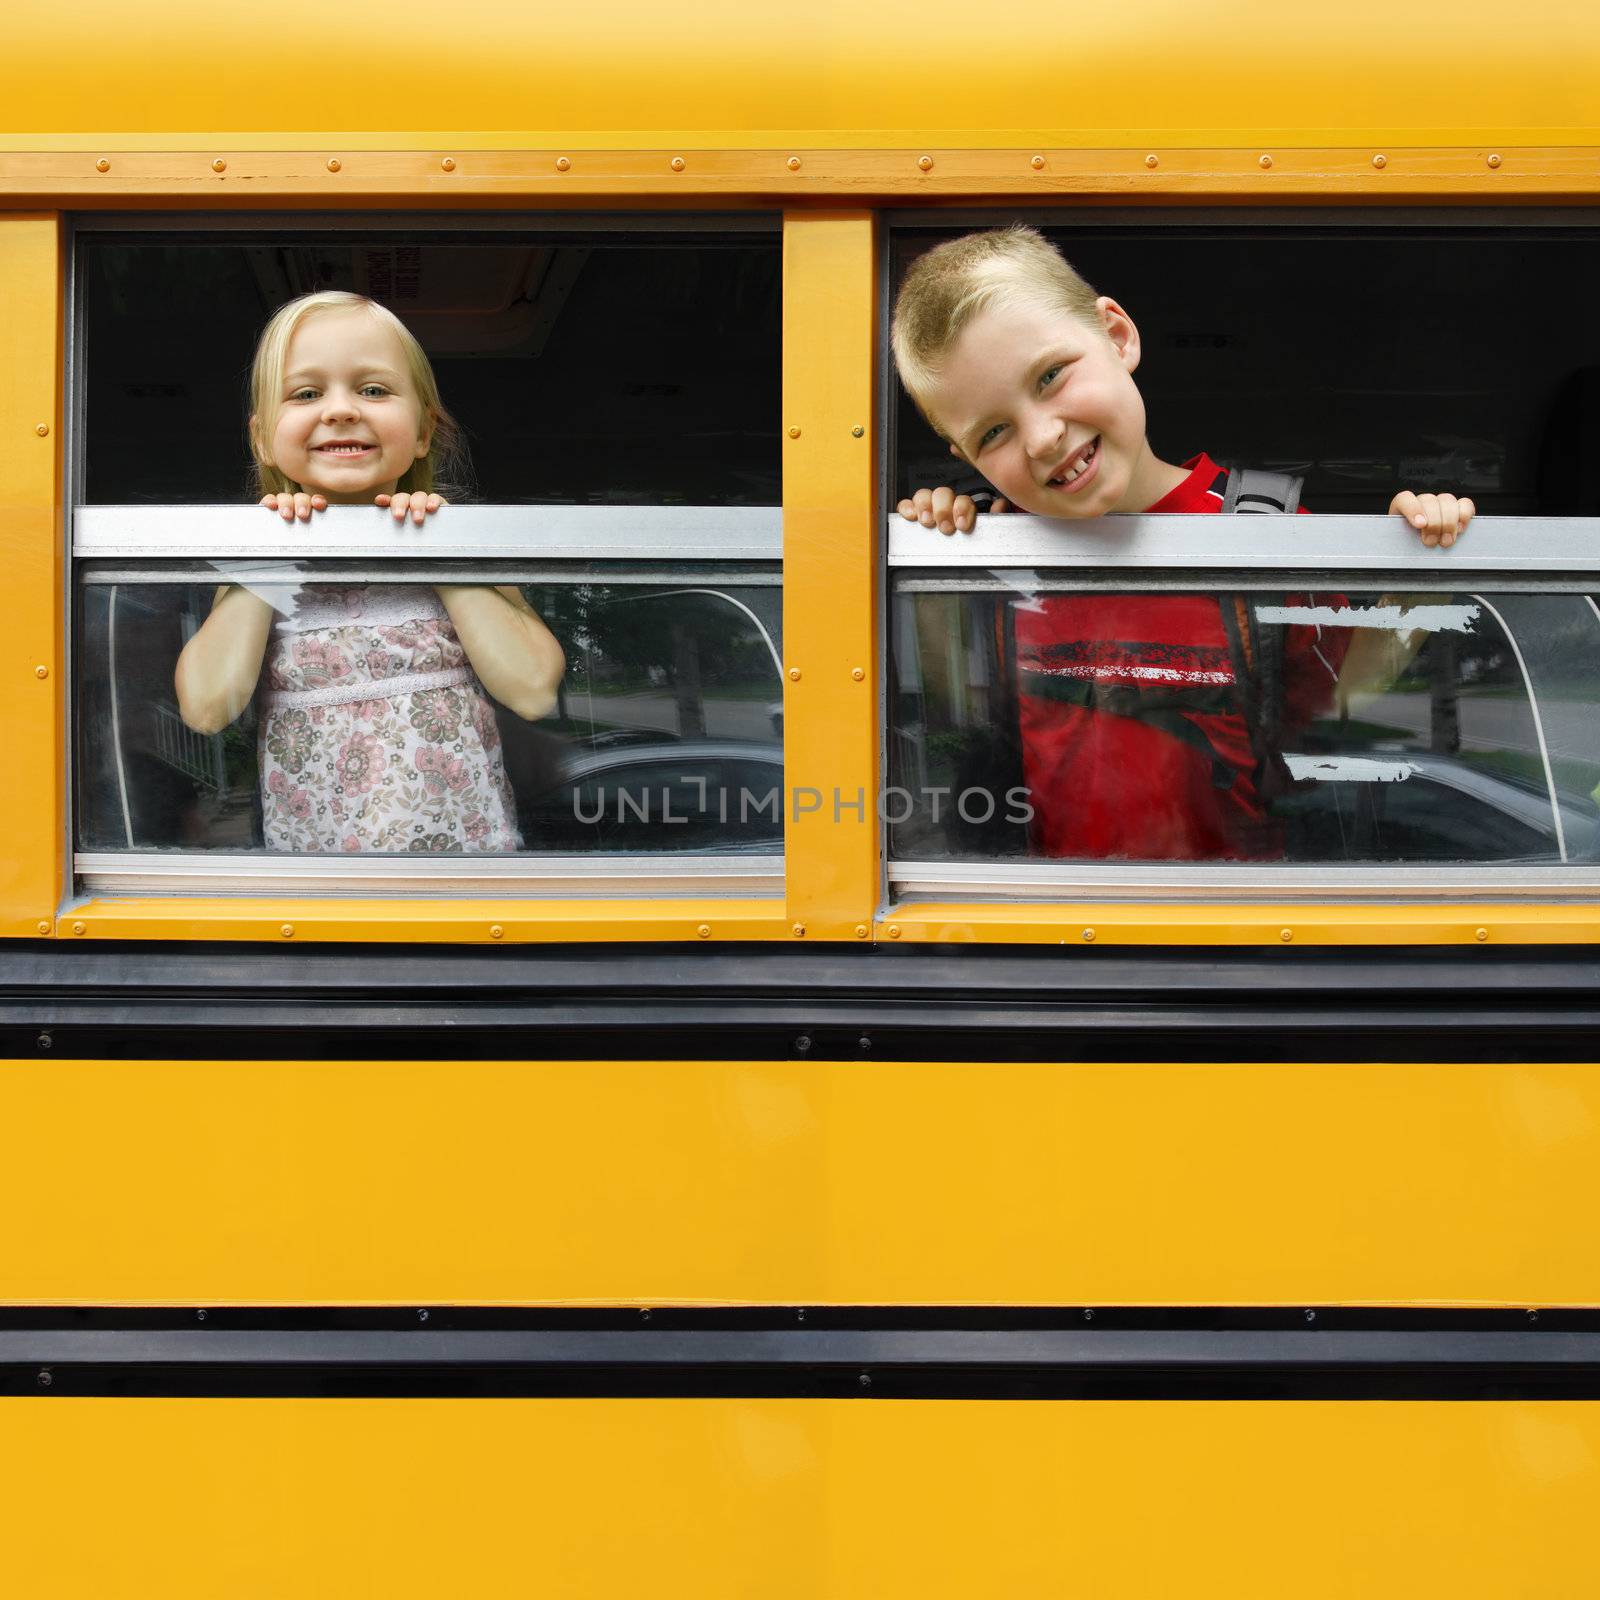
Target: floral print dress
[{"x": 374, "y": 732}]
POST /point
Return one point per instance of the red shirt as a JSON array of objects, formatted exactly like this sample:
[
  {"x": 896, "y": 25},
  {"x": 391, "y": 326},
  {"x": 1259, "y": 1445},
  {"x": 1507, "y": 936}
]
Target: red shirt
[{"x": 1135, "y": 742}]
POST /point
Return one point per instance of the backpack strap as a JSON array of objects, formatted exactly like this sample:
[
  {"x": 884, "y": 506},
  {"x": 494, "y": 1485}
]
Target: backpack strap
[
  {"x": 1258, "y": 654},
  {"x": 1264, "y": 493}
]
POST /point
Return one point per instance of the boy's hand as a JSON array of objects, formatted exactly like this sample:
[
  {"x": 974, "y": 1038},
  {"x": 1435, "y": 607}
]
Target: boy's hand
[
  {"x": 1440, "y": 518},
  {"x": 289, "y": 506},
  {"x": 417, "y": 506},
  {"x": 945, "y": 510}
]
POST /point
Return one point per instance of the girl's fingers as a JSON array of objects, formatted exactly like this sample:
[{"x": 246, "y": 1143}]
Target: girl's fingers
[{"x": 1449, "y": 519}]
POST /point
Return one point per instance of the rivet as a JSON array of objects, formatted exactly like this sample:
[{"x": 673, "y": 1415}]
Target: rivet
[
  {"x": 1380, "y": 161},
  {"x": 41, "y": 672},
  {"x": 78, "y": 927},
  {"x": 449, "y": 163},
  {"x": 794, "y": 674},
  {"x": 219, "y": 165},
  {"x": 42, "y": 429},
  {"x": 857, "y": 432},
  {"x": 1037, "y": 163},
  {"x": 45, "y": 1380},
  {"x": 1287, "y": 935},
  {"x": 704, "y": 930},
  {"x": 861, "y": 930},
  {"x": 199, "y": 1316},
  {"x": 1088, "y": 935},
  {"x": 794, "y": 433},
  {"x": 1481, "y": 934},
  {"x": 45, "y": 1042},
  {"x": 1266, "y": 161},
  {"x": 563, "y": 164},
  {"x": 333, "y": 163},
  {"x": 925, "y": 162},
  {"x": 102, "y": 165},
  {"x": 496, "y": 931},
  {"x": 865, "y": 1380},
  {"x": 1494, "y": 161},
  {"x": 422, "y": 1313},
  {"x": 44, "y": 927},
  {"x": 793, "y": 163},
  {"x": 1311, "y": 1315},
  {"x": 678, "y": 163},
  {"x": 894, "y": 932},
  {"x": 799, "y": 930},
  {"x": 803, "y": 1043},
  {"x": 857, "y": 673},
  {"x": 1152, "y": 160},
  {"x": 287, "y": 930}
]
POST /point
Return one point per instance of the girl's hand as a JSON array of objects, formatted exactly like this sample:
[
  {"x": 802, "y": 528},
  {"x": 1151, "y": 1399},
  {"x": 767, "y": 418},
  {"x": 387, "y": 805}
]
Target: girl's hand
[
  {"x": 1440, "y": 518},
  {"x": 417, "y": 506},
  {"x": 289, "y": 506}
]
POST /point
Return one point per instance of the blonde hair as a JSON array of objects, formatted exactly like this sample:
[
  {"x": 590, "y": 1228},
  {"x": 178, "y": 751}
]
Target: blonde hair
[
  {"x": 445, "y": 456},
  {"x": 955, "y": 281}
]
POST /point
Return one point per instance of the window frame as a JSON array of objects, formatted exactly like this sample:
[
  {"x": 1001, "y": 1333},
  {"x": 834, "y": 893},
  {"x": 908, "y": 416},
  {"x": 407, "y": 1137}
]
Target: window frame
[
  {"x": 743, "y": 892},
  {"x": 1033, "y": 900}
]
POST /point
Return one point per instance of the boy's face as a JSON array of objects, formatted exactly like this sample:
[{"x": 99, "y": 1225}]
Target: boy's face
[{"x": 1045, "y": 407}]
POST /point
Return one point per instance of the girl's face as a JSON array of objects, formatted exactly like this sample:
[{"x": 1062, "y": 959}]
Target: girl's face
[{"x": 349, "y": 422}]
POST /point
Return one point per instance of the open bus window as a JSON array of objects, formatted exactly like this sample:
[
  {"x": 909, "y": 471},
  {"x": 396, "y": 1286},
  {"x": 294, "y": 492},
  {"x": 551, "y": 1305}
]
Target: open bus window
[
  {"x": 625, "y": 368},
  {"x": 1274, "y": 345},
  {"x": 1033, "y": 722}
]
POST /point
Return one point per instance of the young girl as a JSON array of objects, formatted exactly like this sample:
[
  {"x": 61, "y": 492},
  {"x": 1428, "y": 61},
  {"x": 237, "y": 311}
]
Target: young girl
[{"x": 375, "y": 733}]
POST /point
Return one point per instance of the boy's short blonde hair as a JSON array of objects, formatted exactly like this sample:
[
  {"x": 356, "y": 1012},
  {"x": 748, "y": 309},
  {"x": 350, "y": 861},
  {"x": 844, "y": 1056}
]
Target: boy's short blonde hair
[
  {"x": 955, "y": 281},
  {"x": 266, "y": 393}
]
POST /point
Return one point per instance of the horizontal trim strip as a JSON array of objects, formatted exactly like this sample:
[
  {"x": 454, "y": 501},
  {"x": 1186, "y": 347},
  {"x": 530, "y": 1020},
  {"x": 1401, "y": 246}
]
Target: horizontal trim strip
[
  {"x": 593, "y": 535},
  {"x": 222, "y": 175},
  {"x": 1336, "y": 545},
  {"x": 456, "y": 876},
  {"x": 786, "y": 1002},
  {"x": 865, "y": 1361}
]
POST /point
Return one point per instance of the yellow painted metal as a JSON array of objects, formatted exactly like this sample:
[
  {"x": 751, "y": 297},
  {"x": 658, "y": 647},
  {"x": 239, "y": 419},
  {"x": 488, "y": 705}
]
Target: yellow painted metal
[
  {"x": 113, "y": 1499},
  {"x": 1317, "y": 923},
  {"x": 830, "y": 567},
  {"x": 435, "y": 921},
  {"x": 31, "y": 280},
  {"x": 317, "y": 179},
  {"x": 810, "y": 73},
  {"x": 694, "y": 1182}
]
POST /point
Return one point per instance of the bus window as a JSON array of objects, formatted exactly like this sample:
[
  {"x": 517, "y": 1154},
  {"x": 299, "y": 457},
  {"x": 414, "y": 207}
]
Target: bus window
[{"x": 628, "y": 440}]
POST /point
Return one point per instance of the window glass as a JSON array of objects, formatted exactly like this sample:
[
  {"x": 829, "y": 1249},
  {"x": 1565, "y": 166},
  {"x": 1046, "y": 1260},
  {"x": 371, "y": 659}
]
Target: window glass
[
  {"x": 1036, "y": 720},
  {"x": 368, "y": 734}
]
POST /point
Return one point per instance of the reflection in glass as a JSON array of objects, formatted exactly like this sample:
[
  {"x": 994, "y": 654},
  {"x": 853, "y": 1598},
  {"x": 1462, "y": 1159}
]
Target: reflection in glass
[
  {"x": 1031, "y": 721},
  {"x": 666, "y": 735}
]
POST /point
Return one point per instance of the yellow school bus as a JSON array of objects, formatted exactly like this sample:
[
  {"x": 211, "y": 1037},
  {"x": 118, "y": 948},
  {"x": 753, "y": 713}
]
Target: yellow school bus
[{"x": 780, "y": 1177}]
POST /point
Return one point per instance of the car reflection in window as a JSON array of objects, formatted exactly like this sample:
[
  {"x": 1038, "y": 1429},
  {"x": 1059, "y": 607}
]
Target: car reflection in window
[{"x": 670, "y": 724}]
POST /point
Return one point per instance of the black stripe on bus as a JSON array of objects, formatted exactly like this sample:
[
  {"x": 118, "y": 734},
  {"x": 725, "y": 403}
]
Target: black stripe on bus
[
  {"x": 775, "y": 1002},
  {"x": 865, "y": 1361}
]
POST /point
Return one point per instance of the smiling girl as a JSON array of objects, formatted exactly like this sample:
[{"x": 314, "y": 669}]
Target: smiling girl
[{"x": 376, "y": 732}]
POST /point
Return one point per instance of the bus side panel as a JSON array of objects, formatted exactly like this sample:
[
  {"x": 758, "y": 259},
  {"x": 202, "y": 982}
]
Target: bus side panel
[
  {"x": 214, "y": 1182},
  {"x": 796, "y": 1498}
]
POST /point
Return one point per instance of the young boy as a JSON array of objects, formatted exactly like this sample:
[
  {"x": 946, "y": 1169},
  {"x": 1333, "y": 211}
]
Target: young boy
[{"x": 1151, "y": 728}]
